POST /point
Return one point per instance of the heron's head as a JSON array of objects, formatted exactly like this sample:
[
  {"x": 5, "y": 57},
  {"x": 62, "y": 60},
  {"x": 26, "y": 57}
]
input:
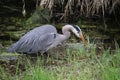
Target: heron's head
[{"x": 77, "y": 31}]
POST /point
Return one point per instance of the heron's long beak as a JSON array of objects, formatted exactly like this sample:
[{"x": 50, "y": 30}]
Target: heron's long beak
[{"x": 83, "y": 39}]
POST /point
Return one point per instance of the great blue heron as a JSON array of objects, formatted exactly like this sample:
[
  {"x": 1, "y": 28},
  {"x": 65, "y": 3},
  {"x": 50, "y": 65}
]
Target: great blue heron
[{"x": 44, "y": 38}]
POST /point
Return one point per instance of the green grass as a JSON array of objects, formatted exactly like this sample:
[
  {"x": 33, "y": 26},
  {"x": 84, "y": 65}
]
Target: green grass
[{"x": 82, "y": 64}]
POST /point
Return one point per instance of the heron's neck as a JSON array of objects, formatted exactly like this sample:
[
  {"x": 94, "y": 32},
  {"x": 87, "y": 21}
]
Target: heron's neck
[{"x": 66, "y": 31}]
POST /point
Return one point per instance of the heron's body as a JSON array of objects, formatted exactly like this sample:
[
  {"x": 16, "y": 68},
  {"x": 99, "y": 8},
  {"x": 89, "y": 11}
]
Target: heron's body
[{"x": 40, "y": 39}]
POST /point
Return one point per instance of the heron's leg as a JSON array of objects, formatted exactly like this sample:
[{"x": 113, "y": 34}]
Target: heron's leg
[
  {"x": 63, "y": 44},
  {"x": 44, "y": 53}
]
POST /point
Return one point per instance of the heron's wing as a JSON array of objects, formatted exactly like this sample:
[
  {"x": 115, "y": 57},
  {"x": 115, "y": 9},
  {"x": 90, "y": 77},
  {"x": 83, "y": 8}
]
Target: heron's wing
[
  {"x": 34, "y": 44},
  {"x": 35, "y": 40}
]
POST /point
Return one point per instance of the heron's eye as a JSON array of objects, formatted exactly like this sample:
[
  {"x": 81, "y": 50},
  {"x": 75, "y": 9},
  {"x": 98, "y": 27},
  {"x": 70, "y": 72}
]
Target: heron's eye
[{"x": 77, "y": 28}]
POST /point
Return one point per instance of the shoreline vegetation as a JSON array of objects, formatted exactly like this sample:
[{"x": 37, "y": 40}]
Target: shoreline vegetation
[{"x": 83, "y": 63}]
